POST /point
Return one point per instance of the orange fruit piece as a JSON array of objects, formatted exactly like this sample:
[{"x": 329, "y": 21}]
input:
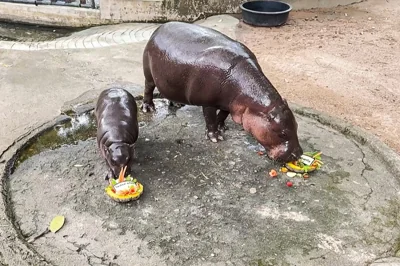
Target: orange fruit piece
[
  {"x": 273, "y": 173},
  {"x": 284, "y": 170}
]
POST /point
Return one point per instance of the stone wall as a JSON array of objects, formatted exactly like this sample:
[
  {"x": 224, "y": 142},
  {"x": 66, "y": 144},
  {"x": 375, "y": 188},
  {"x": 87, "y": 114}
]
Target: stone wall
[{"x": 188, "y": 10}]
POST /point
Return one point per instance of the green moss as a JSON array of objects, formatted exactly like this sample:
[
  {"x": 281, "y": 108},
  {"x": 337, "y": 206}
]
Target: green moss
[{"x": 51, "y": 139}]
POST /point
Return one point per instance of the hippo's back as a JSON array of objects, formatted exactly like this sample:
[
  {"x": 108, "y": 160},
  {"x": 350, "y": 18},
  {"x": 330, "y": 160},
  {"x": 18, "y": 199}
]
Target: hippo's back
[
  {"x": 183, "y": 58},
  {"x": 116, "y": 115},
  {"x": 188, "y": 41}
]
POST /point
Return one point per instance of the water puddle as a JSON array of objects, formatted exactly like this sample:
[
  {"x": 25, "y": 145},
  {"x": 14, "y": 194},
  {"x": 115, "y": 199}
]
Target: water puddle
[
  {"x": 83, "y": 127},
  {"x": 32, "y": 33}
]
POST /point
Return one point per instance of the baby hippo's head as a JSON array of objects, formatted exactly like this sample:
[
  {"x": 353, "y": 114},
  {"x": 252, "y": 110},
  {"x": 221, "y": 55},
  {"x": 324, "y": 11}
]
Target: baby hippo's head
[{"x": 119, "y": 155}]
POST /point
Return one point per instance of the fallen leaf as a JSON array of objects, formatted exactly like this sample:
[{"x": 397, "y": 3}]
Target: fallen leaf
[{"x": 57, "y": 223}]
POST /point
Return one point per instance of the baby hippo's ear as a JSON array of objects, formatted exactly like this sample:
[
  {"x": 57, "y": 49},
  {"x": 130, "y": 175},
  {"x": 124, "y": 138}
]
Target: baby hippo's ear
[{"x": 132, "y": 146}]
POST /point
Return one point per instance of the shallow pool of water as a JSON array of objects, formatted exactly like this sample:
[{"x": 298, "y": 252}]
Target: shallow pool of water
[{"x": 32, "y": 33}]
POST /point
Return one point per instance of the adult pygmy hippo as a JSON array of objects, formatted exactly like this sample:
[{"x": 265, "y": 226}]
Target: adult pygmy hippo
[
  {"x": 194, "y": 65},
  {"x": 117, "y": 129}
]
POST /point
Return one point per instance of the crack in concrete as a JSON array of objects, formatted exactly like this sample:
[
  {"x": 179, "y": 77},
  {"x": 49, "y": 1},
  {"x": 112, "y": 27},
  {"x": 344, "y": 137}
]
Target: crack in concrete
[
  {"x": 320, "y": 256},
  {"x": 15, "y": 142},
  {"x": 366, "y": 167},
  {"x": 82, "y": 250}
]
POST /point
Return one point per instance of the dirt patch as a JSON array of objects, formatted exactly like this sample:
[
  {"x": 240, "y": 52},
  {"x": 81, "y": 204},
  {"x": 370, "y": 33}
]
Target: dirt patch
[
  {"x": 197, "y": 208},
  {"x": 341, "y": 61}
]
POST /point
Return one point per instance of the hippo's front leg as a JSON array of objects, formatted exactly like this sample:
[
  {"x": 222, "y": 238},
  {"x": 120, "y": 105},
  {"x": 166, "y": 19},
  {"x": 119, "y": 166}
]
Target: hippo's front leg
[
  {"x": 221, "y": 117},
  {"x": 109, "y": 174},
  {"x": 210, "y": 115}
]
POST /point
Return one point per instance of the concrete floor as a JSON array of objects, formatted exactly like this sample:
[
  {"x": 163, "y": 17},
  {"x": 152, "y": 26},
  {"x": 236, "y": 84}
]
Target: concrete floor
[{"x": 206, "y": 203}]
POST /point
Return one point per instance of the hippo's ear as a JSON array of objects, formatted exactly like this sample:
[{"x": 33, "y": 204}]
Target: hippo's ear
[
  {"x": 270, "y": 117},
  {"x": 266, "y": 116}
]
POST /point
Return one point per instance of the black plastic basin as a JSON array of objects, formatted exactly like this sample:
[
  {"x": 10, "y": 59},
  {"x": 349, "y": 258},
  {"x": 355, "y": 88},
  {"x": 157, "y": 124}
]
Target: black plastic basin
[{"x": 265, "y": 13}]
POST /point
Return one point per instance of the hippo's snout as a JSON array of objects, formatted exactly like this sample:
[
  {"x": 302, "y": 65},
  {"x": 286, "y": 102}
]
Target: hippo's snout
[
  {"x": 284, "y": 154},
  {"x": 295, "y": 154}
]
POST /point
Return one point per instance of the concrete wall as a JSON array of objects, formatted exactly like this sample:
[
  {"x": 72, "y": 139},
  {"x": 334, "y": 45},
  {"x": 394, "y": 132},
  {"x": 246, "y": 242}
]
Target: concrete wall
[
  {"x": 188, "y": 10},
  {"x": 115, "y": 11},
  {"x": 50, "y": 15}
]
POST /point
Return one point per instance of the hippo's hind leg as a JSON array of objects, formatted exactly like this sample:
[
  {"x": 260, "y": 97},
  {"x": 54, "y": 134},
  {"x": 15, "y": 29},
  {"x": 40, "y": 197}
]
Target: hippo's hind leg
[
  {"x": 210, "y": 115},
  {"x": 148, "y": 104},
  {"x": 175, "y": 104},
  {"x": 221, "y": 117}
]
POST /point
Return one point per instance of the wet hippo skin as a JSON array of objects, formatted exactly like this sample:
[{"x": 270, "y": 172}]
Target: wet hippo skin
[
  {"x": 194, "y": 65},
  {"x": 117, "y": 129}
]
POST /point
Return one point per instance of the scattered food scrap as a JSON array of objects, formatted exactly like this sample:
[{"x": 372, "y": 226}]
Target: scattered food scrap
[
  {"x": 284, "y": 170},
  {"x": 291, "y": 174},
  {"x": 273, "y": 173}
]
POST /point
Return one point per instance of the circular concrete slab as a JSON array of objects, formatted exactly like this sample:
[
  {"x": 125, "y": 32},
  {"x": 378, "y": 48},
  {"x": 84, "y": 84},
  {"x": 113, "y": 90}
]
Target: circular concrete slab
[
  {"x": 197, "y": 208},
  {"x": 111, "y": 35},
  {"x": 96, "y": 37}
]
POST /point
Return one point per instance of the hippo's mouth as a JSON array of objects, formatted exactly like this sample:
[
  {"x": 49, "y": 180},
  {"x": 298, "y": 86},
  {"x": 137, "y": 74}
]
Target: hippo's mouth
[{"x": 281, "y": 154}]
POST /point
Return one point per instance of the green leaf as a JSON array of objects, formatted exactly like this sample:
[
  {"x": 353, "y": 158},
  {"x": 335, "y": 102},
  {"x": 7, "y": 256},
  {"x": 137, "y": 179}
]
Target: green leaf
[{"x": 57, "y": 223}]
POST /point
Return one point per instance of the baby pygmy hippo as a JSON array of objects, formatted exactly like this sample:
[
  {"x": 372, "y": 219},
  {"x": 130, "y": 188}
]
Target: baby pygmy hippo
[{"x": 117, "y": 129}]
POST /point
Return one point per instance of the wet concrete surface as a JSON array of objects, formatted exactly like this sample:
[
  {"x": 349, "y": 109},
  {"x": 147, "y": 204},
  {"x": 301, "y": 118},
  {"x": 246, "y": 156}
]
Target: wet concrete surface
[
  {"x": 31, "y": 33},
  {"x": 197, "y": 208}
]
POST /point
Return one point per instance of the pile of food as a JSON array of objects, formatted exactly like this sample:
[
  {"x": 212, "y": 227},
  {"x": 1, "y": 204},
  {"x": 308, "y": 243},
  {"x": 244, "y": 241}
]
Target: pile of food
[
  {"x": 308, "y": 162},
  {"x": 124, "y": 189}
]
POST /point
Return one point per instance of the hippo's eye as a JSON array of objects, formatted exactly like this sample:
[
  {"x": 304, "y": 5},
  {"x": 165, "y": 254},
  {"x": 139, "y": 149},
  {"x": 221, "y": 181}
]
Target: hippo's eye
[{"x": 283, "y": 135}]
